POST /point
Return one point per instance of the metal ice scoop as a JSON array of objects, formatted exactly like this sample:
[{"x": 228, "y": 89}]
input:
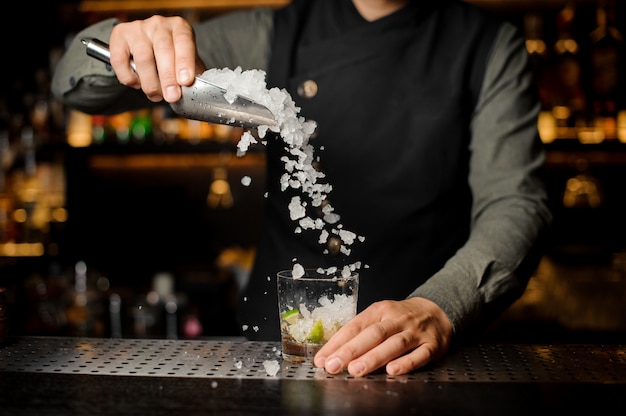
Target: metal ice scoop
[{"x": 203, "y": 100}]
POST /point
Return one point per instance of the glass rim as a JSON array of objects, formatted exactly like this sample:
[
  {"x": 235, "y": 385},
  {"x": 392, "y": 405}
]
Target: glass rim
[{"x": 312, "y": 274}]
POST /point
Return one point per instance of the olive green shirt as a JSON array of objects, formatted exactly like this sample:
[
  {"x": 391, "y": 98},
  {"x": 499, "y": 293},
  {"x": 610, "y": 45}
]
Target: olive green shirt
[{"x": 494, "y": 265}]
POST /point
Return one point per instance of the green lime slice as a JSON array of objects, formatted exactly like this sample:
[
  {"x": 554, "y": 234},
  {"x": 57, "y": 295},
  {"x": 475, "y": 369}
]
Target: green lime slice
[
  {"x": 290, "y": 316},
  {"x": 316, "y": 334}
]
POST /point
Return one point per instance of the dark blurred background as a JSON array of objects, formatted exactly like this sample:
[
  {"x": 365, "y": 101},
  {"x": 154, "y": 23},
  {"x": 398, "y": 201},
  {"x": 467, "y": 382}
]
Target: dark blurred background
[{"x": 144, "y": 208}]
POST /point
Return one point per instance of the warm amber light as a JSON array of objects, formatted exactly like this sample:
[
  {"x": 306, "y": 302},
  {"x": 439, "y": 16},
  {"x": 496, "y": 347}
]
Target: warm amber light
[
  {"x": 59, "y": 215},
  {"x": 546, "y": 124},
  {"x": 20, "y": 215},
  {"x": 21, "y": 249},
  {"x": 591, "y": 136},
  {"x": 621, "y": 126},
  {"x": 79, "y": 129},
  {"x": 537, "y": 46}
]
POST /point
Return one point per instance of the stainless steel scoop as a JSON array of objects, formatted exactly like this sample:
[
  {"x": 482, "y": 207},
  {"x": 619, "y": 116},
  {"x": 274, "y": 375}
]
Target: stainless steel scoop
[{"x": 203, "y": 100}]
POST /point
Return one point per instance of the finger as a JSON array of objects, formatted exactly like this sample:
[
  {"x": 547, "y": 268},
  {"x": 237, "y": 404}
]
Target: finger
[
  {"x": 414, "y": 360},
  {"x": 129, "y": 42},
  {"x": 364, "y": 346},
  {"x": 345, "y": 334},
  {"x": 188, "y": 65},
  {"x": 120, "y": 56},
  {"x": 373, "y": 314},
  {"x": 393, "y": 342},
  {"x": 147, "y": 69},
  {"x": 175, "y": 53}
]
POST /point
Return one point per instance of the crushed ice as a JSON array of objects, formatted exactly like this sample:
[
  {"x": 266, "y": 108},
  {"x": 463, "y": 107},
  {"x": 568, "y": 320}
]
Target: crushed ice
[
  {"x": 295, "y": 132},
  {"x": 271, "y": 367}
]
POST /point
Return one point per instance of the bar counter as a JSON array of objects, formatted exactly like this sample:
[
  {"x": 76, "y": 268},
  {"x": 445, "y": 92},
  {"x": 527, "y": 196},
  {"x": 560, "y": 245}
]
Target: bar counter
[{"x": 93, "y": 376}]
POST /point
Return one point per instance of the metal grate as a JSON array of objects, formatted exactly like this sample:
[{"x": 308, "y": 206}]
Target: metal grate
[{"x": 247, "y": 359}]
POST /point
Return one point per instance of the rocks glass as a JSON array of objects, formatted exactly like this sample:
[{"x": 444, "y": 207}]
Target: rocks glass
[{"x": 312, "y": 308}]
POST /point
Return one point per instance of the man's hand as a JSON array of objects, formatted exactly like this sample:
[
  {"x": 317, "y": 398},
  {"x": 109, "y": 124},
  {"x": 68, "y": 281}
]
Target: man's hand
[
  {"x": 164, "y": 52},
  {"x": 401, "y": 335}
]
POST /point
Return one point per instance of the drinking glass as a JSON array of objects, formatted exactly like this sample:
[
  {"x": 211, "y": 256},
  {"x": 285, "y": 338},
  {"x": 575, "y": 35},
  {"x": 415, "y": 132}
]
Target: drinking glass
[{"x": 312, "y": 308}]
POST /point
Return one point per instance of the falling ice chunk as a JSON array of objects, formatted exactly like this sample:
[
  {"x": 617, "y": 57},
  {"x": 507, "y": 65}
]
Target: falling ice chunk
[
  {"x": 296, "y": 208},
  {"x": 244, "y": 142},
  {"x": 347, "y": 236},
  {"x": 297, "y": 271}
]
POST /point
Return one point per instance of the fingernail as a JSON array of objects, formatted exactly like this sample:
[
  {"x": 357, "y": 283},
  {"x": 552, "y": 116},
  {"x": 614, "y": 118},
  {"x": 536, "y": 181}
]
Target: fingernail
[
  {"x": 357, "y": 368},
  {"x": 319, "y": 361},
  {"x": 392, "y": 369},
  {"x": 334, "y": 365},
  {"x": 172, "y": 93},
  {"x": 184, "y": 75}
]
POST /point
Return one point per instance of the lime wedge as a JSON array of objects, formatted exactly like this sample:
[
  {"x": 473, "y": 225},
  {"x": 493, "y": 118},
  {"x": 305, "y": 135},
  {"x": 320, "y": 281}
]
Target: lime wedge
[
  {"x": 316, "y": 334},
  {"x": 290, "y": 316}
]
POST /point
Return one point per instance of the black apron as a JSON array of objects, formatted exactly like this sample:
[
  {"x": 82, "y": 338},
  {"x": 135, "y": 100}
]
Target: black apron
[{"x": 393, "y": 101}]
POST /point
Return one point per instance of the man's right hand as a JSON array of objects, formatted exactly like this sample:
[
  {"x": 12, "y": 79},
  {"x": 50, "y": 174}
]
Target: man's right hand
[{"x": 164, "y": 52}]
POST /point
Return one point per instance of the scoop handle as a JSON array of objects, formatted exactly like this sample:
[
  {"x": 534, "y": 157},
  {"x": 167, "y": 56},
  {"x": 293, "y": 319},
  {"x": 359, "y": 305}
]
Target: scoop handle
[{"x": 100, "y": 50}]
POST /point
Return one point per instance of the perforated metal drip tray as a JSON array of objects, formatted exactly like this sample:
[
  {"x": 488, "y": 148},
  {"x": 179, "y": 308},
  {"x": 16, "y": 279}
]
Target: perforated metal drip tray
[{"x": 247, "y": 359}]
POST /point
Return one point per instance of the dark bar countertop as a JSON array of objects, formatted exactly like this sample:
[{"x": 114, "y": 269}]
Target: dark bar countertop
[{"x": 92, "y": 376}]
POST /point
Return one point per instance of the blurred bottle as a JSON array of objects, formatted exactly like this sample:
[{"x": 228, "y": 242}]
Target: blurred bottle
[
  {"x": 606, "y": 66},
  {"x": 79, "y": 130},
  {"x": 540, "y": 58},
  {"x": 6, "y": 223},
  {"x": 99, "y": 129},
  {"x": 141, "y": 125},
  {"x": 43, "y": 309},
  {"x": 120, "y": 123},
  {"x": 539, "y": 55},
  {"x": 85, "y": 311},
  {"x": 115, "y": 315},
  {"x": 27, "y": 214},
  {"x": 39, "y": 105},
  {"x": 569, "y": 97},
  {"x": 6, "y": 199},
  {"x": 155, "y": 314}
]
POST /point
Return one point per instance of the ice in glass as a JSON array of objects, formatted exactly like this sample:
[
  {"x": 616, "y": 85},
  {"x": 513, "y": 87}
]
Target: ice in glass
[{"x": 312, "y": 308}]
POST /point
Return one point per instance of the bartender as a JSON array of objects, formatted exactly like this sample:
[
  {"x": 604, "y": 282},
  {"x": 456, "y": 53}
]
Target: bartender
[{"x": 426, "y": 118}]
